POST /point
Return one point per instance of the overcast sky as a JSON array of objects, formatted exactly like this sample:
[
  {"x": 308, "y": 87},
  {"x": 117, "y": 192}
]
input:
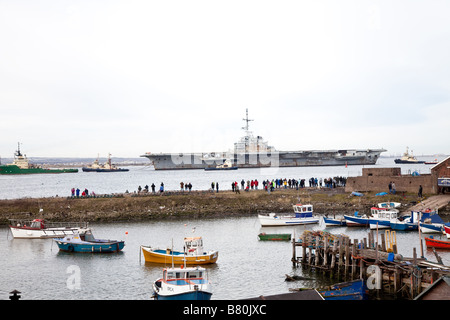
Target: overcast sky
[{"x": 81, "y": 78}]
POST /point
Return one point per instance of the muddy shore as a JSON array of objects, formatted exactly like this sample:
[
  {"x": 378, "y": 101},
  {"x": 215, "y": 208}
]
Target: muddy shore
[{"x": 196, "y": 204}]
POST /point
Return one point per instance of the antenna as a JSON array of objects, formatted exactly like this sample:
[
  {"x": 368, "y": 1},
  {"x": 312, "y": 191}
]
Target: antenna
[{"x": 247, "y": 120}]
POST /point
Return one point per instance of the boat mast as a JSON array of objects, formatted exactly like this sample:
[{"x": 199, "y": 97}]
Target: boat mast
[{"x": 247, "y": 131}]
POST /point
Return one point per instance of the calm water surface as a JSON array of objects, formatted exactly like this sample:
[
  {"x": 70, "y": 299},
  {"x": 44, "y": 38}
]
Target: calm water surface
[{"x": 246, "y": 266}]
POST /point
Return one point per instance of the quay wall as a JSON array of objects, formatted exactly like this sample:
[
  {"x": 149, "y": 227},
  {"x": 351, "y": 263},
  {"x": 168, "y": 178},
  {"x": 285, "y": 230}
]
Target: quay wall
[{"x": 378, "y": 179}]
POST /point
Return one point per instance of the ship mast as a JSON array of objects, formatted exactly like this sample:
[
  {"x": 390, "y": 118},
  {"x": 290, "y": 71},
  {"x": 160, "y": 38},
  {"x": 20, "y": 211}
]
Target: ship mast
[{"x": 247, "y": 120}]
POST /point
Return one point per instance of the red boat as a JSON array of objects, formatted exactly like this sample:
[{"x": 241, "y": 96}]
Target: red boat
[
  {"x": 447, "y": 231},
  {"x": 436, "y": 243}
]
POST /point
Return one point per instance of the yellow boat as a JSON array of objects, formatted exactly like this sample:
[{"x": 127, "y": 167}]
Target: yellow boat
[{"x": 193, "y": 254}]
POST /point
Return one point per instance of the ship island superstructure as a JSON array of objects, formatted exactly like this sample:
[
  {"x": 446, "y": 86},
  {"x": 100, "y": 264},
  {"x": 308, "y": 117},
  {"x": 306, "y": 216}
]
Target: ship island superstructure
[{"x": 253, "y": 152}]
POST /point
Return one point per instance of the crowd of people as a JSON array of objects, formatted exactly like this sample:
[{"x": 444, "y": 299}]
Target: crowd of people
[
  {"x": 288, "y": 183},
  {"x": 84, "y": 193}
]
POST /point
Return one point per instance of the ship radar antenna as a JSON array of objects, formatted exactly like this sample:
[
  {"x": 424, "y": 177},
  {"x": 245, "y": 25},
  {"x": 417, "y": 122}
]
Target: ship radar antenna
[{"x": 247, "y": 120}]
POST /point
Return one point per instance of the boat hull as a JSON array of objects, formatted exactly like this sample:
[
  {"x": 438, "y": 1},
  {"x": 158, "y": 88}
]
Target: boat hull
[
  {"x": 274, "y": 236},
  {"x": 13, "y": 169},
  {"x": 178, "y": 257},
  {"x": 267, "y": 221},
  {"x": 32, "y": 233},
  {"x": 85, "y": 169},
  {"x": 431, "y": 228},
  {"x": 307, "y": 158},
  {"x": 435, "y": 243},
  {"x": 90, "y": 247},
  {"x": 404, "y": 226},
  {"x": 353, "y": 221},
  {"x": 331, "y": 222},
  {"x": 352, "y": 290},
  {"x": 194, "y": 295}
]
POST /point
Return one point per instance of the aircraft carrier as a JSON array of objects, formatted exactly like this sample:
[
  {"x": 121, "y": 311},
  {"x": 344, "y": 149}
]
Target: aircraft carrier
[{"x": 254, "y": 152}]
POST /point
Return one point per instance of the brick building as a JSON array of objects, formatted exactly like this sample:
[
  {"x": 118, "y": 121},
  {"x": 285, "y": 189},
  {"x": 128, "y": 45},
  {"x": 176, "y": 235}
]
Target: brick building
[{"x": 378, "y": 179}]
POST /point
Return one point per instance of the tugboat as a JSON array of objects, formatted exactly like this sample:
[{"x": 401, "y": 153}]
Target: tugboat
[
  {"x": 408, "y": 158},
  {"x": 21, "y": 165},
  {"x": 107, "y": 167}
]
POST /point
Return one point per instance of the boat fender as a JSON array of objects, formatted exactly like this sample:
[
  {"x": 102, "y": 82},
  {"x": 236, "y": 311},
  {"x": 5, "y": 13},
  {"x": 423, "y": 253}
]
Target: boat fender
[{"x": 70, "y": 248}]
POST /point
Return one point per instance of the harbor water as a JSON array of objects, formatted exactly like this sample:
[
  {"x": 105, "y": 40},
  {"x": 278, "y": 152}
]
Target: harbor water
[{"x": 246, "y": 266}]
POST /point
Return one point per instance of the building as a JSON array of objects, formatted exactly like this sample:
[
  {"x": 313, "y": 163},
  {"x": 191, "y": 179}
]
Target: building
[{"x": 378, "y": 179}]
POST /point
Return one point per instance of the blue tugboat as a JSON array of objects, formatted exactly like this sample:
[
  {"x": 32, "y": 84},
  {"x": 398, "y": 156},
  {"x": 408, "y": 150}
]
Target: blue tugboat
[{"x": 87, "y": 243}]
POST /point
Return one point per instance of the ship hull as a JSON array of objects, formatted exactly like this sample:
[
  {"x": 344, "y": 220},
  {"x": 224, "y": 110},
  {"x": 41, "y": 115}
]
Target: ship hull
[
  {"x": 12, "y": 169},
  {"x": 259, "y": 160}
]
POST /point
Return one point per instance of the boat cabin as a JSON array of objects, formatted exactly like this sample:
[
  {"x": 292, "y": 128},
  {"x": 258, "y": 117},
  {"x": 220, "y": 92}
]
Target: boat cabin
[
  {"x": 303, "y": 210},
  {"x": 193, "y": 245},
  {"x": 384, "y": 213},
  {"x": 183, "y": 273}
]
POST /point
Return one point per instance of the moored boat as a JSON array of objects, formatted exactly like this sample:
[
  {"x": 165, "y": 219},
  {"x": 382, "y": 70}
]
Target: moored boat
[
  {"x": 87, "y": 243},
  {"x": 39, "y": 228},
  {"x": 431, "y": 222},
  {"x": 351, "y": 290},
  {"x": 184, "y": 283},
  {"x": 436, "y": 243},
  {"x": 193, "y": 254},
  {"x": 356, "y": 220},
  {"x": 303, "y": 214},
  {"x": 334, "y": 222},
  {"x": 381, "y": 218},
  {"x": 274, "y": 236},
  {"x": 391, "y": 205}
]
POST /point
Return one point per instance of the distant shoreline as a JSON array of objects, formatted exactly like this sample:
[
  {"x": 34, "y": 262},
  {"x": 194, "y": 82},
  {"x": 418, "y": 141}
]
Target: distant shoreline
[{"x": 192, "y": 205}]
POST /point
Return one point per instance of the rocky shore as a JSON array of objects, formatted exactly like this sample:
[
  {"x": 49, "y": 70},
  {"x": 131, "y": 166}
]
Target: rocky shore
[{"x": 195, "y": 204}]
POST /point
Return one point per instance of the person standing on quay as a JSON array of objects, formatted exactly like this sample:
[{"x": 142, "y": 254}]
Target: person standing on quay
[
  {"x": 420, "y": 191},
  {"x": 217, "y": 187}
]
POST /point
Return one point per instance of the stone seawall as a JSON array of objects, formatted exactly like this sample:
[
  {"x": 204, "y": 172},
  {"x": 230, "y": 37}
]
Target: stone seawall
[{"x": 198, "y": 204}]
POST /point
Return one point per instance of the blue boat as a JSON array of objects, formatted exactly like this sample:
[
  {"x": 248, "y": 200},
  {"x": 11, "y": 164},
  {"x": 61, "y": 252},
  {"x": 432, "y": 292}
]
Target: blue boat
[
  {"x": 406, "y": 223},
  {"x": 351, "y": 290},
  {"x": 356, "y": 220},
  {"x": 331, "y": 222},
  {"x": 431, "y": 222},
  {"x": 88, "y": 244},
  {"x": 183, "y": 283}
]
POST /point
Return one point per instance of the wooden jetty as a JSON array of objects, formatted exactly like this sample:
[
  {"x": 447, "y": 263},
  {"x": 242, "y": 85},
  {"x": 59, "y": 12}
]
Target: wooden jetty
[{"x": 377, "y": 262}]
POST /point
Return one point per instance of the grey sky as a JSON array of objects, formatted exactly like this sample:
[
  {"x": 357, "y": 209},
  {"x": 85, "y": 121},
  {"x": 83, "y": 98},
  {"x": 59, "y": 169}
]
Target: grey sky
[{"x": 81, "y": 78}]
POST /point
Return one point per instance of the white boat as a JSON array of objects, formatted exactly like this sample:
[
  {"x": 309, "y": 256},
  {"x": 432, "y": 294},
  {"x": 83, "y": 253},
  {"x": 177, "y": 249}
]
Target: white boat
[
  {"x": 389, "y": 204},
  {"x": 303, "y": 214},
  {"x": 184, "y": 283},
  {"x": 39, "y": 229}
]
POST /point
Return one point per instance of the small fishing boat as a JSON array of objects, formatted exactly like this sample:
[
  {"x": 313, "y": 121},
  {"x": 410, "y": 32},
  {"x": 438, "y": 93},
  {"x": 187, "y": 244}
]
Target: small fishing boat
[
  {"x": 303, "y": 214},
  {"x": 193, "y": 253},
  {"x": 351, "y": 290},
  {"x": 184, "y": 283},
  {"x": 356, "y": 220},
  {"x": 381, "y": 218},
  {"x": 435, "y": 243},
  {"x": 334, "y": 222},
  {"x": 389, "y": 205},
  {"x": 39, "y": 229},
  {"x": 431, "y": 222},
  {"x": 87, "y": 243},
  {"x": 274, "y": 236},
  {"x": 407, "y": 223}
]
